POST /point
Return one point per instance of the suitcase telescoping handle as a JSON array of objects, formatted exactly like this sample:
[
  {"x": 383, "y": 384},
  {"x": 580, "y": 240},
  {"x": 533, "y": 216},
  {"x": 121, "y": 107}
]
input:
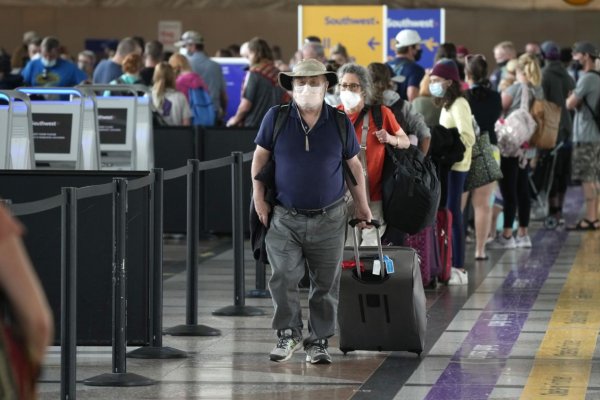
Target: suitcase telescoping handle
[{"x": 375, "y": 223}]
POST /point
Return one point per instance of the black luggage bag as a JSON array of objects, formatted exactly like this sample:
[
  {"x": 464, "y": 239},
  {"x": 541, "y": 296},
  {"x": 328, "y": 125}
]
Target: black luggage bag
[{"x": 384, "y": 312}]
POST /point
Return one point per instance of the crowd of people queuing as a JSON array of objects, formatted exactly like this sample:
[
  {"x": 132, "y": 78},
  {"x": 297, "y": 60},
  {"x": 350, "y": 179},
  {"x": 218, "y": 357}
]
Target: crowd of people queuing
[{"x": 459, "y": 92}]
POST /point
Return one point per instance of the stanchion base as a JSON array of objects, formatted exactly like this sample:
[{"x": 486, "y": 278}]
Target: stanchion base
[
  {"x": 192, "y": 330},
  {"x": 258, "y": 294},
  {"x": 239, "y": 311},
  {"x": 155, "y": 353},
  {"x": 125, "y": 379}
]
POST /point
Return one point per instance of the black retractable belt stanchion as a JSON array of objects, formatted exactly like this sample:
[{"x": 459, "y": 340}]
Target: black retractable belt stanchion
[
  {"x": 68, "y": 293},
  {"x": 119, "y": 375},
  {"x": 261, "y": 291},
  {"x": 156, "y": 349},
  {"x": 238, "y": 308},
  {"x": 191, "y": 328}
]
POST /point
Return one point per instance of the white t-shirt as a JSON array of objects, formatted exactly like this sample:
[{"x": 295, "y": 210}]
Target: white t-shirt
[{"x": 174, "y": 108}]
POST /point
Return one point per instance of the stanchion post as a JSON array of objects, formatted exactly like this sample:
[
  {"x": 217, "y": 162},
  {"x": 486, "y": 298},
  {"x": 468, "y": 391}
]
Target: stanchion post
[
  {"x": 156, "y": 349},
  {"x": 191, "y": 328},
  {"x": 68, "y": 293},
  {"x": 193, "y": 234},
  {"x": 261, "y": 291},
  {"x": 119, "y": 376},
  {"x": 239, "y": 307}
]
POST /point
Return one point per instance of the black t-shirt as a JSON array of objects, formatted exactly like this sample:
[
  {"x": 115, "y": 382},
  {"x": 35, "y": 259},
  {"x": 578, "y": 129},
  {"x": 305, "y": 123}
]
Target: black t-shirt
[
  {"x": 146, "y": 74},
  {"x": 486, "y": 106}
]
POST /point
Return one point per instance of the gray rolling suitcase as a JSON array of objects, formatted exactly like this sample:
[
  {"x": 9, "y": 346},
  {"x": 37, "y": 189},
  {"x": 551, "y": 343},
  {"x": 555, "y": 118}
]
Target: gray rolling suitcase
[{"x": 384, "y": 312}]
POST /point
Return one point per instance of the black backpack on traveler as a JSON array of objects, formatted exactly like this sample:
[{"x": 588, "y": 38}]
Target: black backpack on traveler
[{"x": 410, "y": 186}]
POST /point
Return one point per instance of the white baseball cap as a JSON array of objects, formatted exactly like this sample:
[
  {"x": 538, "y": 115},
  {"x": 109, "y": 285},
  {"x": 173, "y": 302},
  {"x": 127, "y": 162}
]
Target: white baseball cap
[{"x": 407, "y": 37}]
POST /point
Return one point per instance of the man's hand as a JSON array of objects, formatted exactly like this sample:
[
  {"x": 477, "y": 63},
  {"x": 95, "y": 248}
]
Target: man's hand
[
  {"x": 263, "y": 209},
  {"x": 363, "y": 214}
]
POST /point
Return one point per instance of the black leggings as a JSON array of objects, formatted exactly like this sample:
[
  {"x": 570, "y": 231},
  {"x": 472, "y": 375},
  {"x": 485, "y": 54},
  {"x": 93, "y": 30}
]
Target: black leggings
[{"x": 514, "y": 187}]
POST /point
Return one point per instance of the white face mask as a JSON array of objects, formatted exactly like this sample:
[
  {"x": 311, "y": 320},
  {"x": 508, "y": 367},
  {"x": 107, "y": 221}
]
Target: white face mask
[
  {"x": 349, "y": 99},
  {"x": 48, "y": 63},
  {"x": 309, "y": 97},
  {"x": 183, "y": 51}
]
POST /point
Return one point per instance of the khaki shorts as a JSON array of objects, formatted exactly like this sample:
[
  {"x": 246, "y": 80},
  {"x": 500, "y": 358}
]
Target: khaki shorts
[{"x": 586, "y": 162}]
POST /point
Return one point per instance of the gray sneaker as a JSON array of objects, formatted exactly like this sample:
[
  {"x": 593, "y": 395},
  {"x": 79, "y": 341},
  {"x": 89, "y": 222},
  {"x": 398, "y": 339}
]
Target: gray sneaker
[
  {"x": 286, "y": 346},
  {"x": 523, "y": 242},
  {"x": 500, "y": 242},
  {"x": 316, "y": 352}
]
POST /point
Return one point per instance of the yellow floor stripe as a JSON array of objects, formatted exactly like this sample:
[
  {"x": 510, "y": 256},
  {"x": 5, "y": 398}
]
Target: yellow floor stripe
[{"x": 563, "y": 363}]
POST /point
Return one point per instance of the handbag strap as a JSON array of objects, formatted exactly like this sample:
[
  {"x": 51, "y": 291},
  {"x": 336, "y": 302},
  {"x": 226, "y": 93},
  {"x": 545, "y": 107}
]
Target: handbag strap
[
  {"x": 524, "y": 97},
  {"x": 363, "y": 154}
]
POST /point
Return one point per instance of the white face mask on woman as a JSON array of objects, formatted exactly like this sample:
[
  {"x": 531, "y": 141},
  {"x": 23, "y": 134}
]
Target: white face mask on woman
[
  {"x": 309, "y": 97},
  {"x": 349, "y": 99}
]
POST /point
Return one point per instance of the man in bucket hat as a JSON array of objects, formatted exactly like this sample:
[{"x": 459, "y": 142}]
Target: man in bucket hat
[{"x": 308, "y": 221}]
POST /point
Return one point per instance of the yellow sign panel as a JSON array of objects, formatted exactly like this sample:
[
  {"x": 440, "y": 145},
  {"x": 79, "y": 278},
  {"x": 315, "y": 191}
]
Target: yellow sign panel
[{"x": 359, "y": 28}]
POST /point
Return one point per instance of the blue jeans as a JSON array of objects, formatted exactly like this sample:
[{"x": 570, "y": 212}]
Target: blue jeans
[{"x": 456, "y": 184}]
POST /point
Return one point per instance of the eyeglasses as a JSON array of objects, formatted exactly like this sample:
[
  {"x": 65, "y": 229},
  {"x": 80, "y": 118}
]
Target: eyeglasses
[{"x": 353, "y": 87}]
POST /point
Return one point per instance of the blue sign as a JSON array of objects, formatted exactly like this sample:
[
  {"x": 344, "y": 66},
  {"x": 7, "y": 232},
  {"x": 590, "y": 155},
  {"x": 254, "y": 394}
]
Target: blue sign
[
  {"x": 234, "y": 73},
  {"x": 430, "y": 24}
]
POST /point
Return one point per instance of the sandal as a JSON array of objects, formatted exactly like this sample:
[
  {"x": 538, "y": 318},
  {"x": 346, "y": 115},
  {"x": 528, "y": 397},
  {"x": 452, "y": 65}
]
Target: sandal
[
  {"x": 482, "y": 258},
  {"x": 585, "y": 225}
]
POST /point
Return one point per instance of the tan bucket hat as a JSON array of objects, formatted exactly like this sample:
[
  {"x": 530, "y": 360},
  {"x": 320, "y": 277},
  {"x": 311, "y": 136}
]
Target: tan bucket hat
[{"x": 309, "y": 67}]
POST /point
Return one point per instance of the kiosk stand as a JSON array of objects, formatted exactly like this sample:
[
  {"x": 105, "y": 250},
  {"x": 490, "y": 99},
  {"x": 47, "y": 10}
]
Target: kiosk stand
[
  {"x": 125, "y": 123},
  {"x": 16, "y": 131},
  {"x": 58, "y": 128}
]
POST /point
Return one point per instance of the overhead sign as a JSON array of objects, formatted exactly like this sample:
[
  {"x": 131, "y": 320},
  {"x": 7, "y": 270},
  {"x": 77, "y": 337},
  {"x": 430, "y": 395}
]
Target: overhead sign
[
  {"x": 430, "y": 24},
  {"x": 169, "y": 32},
  {"x": 358, "y": 28}
]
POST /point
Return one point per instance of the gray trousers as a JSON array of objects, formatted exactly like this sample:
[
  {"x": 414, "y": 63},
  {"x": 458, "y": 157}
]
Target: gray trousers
[{"x": 291, "y": 240}]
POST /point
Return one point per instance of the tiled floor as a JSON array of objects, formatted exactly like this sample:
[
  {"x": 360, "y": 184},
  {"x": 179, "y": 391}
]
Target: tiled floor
[{"x": 518, "y": 330}]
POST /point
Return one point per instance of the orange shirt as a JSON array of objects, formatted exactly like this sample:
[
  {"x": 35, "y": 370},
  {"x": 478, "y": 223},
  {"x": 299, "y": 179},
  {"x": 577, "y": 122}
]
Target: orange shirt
[{"x": 375, "y": 150}]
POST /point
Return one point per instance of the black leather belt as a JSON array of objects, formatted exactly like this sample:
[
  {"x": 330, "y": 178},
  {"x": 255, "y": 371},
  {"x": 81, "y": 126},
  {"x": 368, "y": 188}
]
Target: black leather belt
[{"x": 310, "y": 213}]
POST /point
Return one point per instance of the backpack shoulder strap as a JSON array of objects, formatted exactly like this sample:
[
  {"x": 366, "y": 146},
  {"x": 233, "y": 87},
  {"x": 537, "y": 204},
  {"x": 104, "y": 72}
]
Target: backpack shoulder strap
[
  {"x": 282, "y": 115},
  {"x": 377, "y": 115},
  {"x": 340, "y": 120}
]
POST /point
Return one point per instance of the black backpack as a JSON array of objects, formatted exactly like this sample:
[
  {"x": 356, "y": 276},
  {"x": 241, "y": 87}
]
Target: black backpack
[
  {"x": 596, "y": 110},
  {"x": 410, "y": 186}
]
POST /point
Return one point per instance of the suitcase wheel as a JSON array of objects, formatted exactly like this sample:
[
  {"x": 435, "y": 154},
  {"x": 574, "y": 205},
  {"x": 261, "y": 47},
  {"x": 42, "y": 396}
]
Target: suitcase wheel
[
  {"x": 551, "y": 222},
  {"x": 432, "y": 283},
  {"x": 345, "y": 350}
]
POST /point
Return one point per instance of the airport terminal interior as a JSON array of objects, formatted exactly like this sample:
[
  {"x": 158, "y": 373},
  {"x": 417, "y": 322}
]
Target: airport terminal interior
[
  {"x": 526, "y": 327},
  {"x": 137, "y": 225}
]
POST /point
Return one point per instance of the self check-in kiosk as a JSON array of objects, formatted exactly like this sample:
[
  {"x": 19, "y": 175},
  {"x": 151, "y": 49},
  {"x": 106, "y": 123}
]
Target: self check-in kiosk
[
  {"x": 64, "y": 133},
  {"x": 16, "y": 131},
  {"x": 125, "y": 124}
]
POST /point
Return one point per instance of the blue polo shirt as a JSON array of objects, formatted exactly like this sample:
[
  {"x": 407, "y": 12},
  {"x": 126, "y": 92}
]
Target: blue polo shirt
[{"x": 308, "y": 179}]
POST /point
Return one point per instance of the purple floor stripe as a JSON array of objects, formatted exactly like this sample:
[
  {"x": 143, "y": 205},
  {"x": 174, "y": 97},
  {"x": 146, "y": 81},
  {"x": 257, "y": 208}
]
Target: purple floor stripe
[{"x": 475, "y": 368}]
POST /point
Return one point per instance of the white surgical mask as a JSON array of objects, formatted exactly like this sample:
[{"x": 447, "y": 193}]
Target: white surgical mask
[
  {"x": 437, "y": 89},
  {"x": 309, "y": 97},
  {"x": 183, "y": 51},
  {"x": 349, "y": 99},
  {"x": 48, "y": 63}
]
